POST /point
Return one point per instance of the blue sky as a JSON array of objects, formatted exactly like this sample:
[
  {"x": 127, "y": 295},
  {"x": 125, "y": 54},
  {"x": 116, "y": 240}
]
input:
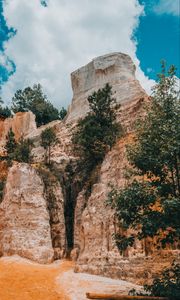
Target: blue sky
[
  {"x": 158, "y": 37},
  {"x": 45, "y": 43}
]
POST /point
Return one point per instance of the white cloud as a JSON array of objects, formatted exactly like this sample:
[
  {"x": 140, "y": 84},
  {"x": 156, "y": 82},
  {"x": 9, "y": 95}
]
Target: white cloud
[
  {"x": 168, "y": 7},
  {"x": 52, "y": 42}
]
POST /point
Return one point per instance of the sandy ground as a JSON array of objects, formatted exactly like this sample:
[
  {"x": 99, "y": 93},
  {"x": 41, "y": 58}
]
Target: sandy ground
[{"x": 21, "y": 279}]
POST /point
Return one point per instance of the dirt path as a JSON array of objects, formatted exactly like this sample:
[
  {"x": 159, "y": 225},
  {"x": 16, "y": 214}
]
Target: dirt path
[{"x": 23, "y": 280}]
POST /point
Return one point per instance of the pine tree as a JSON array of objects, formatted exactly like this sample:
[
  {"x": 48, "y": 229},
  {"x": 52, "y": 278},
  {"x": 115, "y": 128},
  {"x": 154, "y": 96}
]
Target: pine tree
[
  {"x": 11, "y": 144},
  {"x": 48, "y": 139},
  {"x": 33, "y": 99},
  {"x": 98, "y": 131}
]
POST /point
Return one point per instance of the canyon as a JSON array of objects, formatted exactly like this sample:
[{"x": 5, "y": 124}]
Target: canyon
[{"x": 46, "y": 215}]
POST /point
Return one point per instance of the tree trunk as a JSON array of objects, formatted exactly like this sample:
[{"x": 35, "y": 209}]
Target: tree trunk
[{"x": 121, "y": 297}]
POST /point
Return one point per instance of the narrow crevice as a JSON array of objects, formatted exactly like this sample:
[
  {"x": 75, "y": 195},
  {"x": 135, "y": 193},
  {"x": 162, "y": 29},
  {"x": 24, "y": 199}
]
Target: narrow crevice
[
  {"x": 72, "y": 179},
  {"x": 71, "y": 188}
]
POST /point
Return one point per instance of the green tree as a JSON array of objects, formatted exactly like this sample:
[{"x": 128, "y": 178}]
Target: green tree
[
  {"x": 23, "y": 149},
  {"x": 19, "y": 151},
  {"x": 98, "y": 131},
  {"x": 152, "y": 205},
  {"x": 62, "y": 113},
  {"x": 11, "y": 144},
  {"x": 5, "y": 112},
  {"x": 34, "y": 100},
  {"x": 48, "y": 139}
]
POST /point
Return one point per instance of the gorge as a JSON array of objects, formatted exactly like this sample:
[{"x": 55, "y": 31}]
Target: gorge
[{"x": 46, "y": 214}]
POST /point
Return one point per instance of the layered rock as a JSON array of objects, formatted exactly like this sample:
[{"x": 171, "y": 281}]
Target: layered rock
[
  {"x": 24, "y": 226},
  {"x": 95, "y": 225},
  {"x": 55, "y": 204},
  {"x": 22, "y": 123},
  {"x": 117, "y": 69},
  {"x": 33, "y": 211}
]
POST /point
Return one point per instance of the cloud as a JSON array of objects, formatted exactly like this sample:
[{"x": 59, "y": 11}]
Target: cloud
[
  {"x": 53, "y": 41},
  {"x": 168, "y": 7}
]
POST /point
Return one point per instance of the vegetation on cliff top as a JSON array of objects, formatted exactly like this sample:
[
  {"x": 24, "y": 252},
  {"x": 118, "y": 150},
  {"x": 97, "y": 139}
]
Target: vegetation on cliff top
[
  {"x": 33, "y": 99},
  {"x": 5, "y": 112}
]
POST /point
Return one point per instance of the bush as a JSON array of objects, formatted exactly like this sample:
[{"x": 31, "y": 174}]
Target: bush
[{"x": 167, "y": 285}]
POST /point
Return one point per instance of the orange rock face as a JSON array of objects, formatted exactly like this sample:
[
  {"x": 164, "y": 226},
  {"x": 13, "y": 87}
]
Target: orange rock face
[{"x": 22, "y": 123}]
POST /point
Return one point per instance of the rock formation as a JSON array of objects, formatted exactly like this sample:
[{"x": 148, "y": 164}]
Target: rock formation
[
  {"x": 34, "y": 217},
  {"x": 24, "y": 227},
  {"x": 21, "y": 123},
  {"x": 117, "y": 69}
]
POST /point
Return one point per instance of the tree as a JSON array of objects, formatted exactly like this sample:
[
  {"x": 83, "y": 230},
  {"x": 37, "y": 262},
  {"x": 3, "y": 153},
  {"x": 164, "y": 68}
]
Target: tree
[
  {"x": 5, "y": 112},
  {"x": 23, "y": 149},
  {"x": 98, "y": 131},
  {"x": 48, "y": 139},
  {"x": 151, "y": 206},
  {"x": 62, "y": 113},
  {"x": 34, "y": 100},
  {"x": 11, "y": 144},
  {"x": 19, "y": 151}
]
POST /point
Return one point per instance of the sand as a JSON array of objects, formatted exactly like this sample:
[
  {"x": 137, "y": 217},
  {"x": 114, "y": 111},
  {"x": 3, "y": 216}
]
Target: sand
[{"x": 21, "y": 279}]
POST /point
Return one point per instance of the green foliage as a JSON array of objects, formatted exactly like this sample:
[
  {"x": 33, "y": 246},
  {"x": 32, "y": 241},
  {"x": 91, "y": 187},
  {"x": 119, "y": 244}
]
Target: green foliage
[
  {"x": 151, "y": 205},
  {"x": 19, "y": 151},
  {"x": 48, "y": 139},
  {"x": 157, "y": 148},
  {"x": 23, "y": 151},
  {"x": 34, "y": 100},
  {"x": 62, "y": 113},
  {"x": 10, "y": 144},
  {"x": 5, "y": 112},
  {"x": 122, "y": 241},
  {"x": 98, "y": 131},
  {"x": 167, "y": 285}
]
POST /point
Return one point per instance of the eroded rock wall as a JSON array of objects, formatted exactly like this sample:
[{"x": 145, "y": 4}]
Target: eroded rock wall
[
  {"x": 22, "y": 123},
  {"x": 95, "y": 225},
  {"x": 32, "y": 212},
  {"x": 117, "y": 69},
  {"x": 24, "y": 218}
]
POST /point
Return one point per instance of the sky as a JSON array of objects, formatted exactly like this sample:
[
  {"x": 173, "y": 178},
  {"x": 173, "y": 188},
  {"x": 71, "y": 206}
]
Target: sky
[{"x": 44, "y": 41}]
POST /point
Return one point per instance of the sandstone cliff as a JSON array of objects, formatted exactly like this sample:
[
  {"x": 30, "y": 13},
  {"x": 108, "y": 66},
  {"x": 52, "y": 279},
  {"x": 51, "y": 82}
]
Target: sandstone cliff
[
  {"x": 89, "y": 230},
  {"x": 21, "y": 123},
  {"x": 117, "y": 69},
  {"x": 24, "y": 227}
]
